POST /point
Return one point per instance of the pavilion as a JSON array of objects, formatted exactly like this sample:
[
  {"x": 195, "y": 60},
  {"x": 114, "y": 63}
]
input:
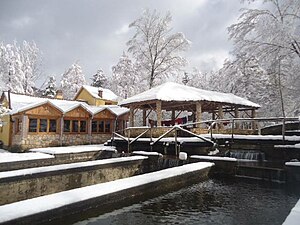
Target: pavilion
[{"x": 175, "y": 98}]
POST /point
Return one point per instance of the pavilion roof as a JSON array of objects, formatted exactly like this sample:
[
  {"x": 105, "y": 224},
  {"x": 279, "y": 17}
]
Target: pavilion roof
[{"x": 174, "y": 92}]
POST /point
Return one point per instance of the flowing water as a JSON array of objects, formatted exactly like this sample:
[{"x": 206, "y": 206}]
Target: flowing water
[{"x": 233, "y": 201}]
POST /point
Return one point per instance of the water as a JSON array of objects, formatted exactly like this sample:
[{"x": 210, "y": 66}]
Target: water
[
  {"x": 248, "y": 155},
  {"x": 240, "y": 202}
]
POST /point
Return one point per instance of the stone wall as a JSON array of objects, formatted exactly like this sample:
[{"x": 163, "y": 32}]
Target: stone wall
[
  {"x": 18, "y": 188},
  {"x": 49, "y": 140}
]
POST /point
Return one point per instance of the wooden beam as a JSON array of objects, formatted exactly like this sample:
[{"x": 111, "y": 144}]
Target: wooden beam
[
  {"x": 144, "y": 117},
  {"x": 237, "y": 115},
  {"x": 221, "y": 115},
  {"x": 198, "y": 113},
  {"x": 131, "y": 116},
  {"x": 158, "y": 113}
]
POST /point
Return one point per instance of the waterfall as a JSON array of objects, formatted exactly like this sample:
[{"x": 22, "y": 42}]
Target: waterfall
[{"x": 248, "y": 155}]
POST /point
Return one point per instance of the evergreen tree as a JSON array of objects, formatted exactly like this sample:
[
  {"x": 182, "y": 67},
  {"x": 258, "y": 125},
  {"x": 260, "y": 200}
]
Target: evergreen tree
[
  {"x": 50, "y": 90},
  {"x": 72, "y": 80},
  {"x": 99, "y": 79}
]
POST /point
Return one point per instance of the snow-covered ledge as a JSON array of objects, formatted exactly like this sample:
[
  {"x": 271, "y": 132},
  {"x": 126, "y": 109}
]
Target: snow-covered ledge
[
  {"x": 73, "y": 201},
  {"x": 213, "y": 158},
  {"x": 293, "y": 171},
  {"x": 294, "y": 216}
]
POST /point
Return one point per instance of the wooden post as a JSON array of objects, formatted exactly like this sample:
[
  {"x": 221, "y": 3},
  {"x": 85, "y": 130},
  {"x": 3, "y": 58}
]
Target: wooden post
[
  {"x": 173, "y": 116},
  {"x": 237, "y": 115},
  {"x": 198, "y": 113},
  {"x": 90, "y": 129},
  {"x": 221, "y": 115},
  {"x": 158, "y": 113},
  {"x": 254, "y": 123},
  {"x": 61, "y": 124},
  {"x": 25, "y": 127},
  {"x": 144, "y": 117},
  {"x": 131, "y": 116}
]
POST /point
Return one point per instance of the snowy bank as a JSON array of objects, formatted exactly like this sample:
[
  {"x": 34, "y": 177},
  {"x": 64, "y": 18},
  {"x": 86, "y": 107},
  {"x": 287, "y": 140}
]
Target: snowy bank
[
  {"x": 144, "y": 153},
  {"x": 16, "y": 157},
  {"x": 294, "y": 216},
  {"x": 60, "y": 204},
  {"x": 74, "y": 149},
  {"x": 44, "y": 169},
  {"x": 213, "y": 158}
]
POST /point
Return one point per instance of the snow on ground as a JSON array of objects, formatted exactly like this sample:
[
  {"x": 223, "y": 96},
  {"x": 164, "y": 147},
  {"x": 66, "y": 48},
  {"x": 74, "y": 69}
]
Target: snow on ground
[
  {"x": 147, "y": 153},
  {"x": 43, "y": 169},
  {"x": 3, "y": 151},
  {"x": 286, "y": 146},
  {"x": 216, "y": 158},
  {"x": 73, "y": 149},
  {"x": 292, "y": 163},
  {"x": 294, "y": 216},
  {"x": 6, "y": 157},
  {"x": 33, "y": 206}
]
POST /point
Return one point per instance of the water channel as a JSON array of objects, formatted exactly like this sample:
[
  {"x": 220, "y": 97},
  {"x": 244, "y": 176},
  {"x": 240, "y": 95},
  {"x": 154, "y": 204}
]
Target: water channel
[{"x": 215, "y": 201}]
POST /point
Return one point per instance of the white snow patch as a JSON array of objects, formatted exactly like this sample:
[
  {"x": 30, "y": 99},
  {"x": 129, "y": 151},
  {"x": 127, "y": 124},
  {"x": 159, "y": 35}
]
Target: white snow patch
[
  {"x": 171, "y": 91},
  {"x": 147, "y": 153},
  {"x": 292, "y": 163},
  {"x": 285, "y": 146},
  {"x": 73, "y": 149},
  {"x": 216, "y": 158},
  {"x": 294, "y": 216},
  {"x": 15, "y": 157},
  {"x": 33, "y": 206},
  {"x": 4, "y": 151},
  {"x": 44, "y": 169}
]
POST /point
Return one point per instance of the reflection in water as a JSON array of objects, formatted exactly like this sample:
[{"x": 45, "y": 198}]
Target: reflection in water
[{"x": 211, "y": 202}]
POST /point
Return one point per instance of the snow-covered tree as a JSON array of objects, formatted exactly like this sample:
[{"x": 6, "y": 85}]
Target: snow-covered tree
[
  {"x": 271, "y": 34},
  {"x": 125, "y": 80},
  {"x": 72, "y": 80},
  {"x": 50, "y": 89},
  {"x": 19, "y": 66},
  {"x": 99, "y": 79},
  {"x": 155, "y": 48}
]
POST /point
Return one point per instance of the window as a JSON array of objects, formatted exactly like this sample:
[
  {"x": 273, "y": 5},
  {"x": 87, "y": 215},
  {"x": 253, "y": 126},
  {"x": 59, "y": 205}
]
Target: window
[
  {"x": 32, "y": 125},
  {"x": 43, "y": 125},
  {"x": 94, "y": 126},
  {"x": 107, "y": 126},
  {"x": 82, "y": 126},
  {"x": 52, "y": 127},
  {"x": 39, "y": 125},
  {"x": 101, "y": 126},
  {"x": 75, "y": 126},
  {"x": 67, "y": 125}
]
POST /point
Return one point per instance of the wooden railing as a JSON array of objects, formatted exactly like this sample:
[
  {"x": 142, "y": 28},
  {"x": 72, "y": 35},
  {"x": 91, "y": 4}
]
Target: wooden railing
[{"x": 212, "y": 126}]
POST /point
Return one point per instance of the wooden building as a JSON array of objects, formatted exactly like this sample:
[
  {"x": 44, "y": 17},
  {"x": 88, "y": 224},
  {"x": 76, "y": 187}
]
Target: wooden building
[
  {"x": 40, "y": 122},
  {"x": 177, "y": 98}
]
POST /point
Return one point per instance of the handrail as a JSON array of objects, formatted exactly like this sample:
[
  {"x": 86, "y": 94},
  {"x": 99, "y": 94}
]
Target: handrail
[{"x": 135, "y": 139}]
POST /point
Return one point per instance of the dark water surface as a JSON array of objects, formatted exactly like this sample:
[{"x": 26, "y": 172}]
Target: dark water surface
[{"x": 234, "y": 201}]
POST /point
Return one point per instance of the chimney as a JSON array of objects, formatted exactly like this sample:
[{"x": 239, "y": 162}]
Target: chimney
[
  {"x": 100, "y": 93},
  {"x": 59, "y": 94}
]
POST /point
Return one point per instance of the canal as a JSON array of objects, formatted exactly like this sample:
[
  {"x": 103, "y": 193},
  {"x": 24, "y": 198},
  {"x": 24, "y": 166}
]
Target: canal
[{"x": 215, "y": 201}]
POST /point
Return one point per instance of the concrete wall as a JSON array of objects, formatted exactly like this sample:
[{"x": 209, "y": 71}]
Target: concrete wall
[
  {"x": 18, "y": 188},
  {"x": 59, "y": 159}
]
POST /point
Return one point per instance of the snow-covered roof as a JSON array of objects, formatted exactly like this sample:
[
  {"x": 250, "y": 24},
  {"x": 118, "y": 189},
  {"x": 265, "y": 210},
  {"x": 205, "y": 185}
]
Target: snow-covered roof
[
  {"x": 21, "y": 103},
  {"x": 106, "y": 93},
  {"x": 171, "y": 91}
]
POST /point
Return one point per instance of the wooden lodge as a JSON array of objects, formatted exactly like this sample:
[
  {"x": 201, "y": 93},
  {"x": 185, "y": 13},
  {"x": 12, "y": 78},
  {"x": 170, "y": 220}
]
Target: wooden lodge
[
  {"x": 176, "y": 99},
  {"x": 41, "y": 122}
]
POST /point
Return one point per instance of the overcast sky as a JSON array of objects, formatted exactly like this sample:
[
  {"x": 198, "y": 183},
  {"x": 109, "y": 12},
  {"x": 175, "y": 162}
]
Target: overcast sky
[{"x": 95, "y": 32}]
